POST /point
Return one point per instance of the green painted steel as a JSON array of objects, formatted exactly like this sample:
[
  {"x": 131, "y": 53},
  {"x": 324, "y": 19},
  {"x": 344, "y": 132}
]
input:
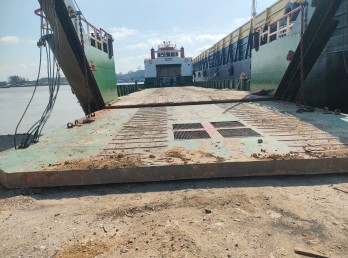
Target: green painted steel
[
  {"x": 269, "y": 63},
  {"x": 150, "y": 82},
  {"x": 104, "y": 74},
  {"x": 127, "y": 89},
  {"x": 186, "y": 81},
  {"x": 239, "y": 84}
]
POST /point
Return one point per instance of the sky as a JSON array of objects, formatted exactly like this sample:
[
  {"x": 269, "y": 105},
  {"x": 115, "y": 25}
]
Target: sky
[{"x": 136, "y": 25}]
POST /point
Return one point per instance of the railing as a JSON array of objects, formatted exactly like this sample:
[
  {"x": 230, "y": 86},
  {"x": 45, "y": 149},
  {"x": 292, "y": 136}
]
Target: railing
[
  {"x": 98, "y": 38},
  {"x": 45, "y": 24},
  {"x": 126, "y": 89},
  {"x": 278, "y": 29},
  {"x": 236, "y": 84}
]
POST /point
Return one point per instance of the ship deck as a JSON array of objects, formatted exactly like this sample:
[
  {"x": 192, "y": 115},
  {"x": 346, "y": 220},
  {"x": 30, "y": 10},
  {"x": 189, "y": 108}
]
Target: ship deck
[
  {"x": 174, "y": 96},
  {"x": 156, "y": 135}
]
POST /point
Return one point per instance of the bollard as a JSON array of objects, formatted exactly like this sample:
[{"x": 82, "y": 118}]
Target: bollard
[
  {"x": 243, "y": 78},
  {"x": 243, "y": 84}
]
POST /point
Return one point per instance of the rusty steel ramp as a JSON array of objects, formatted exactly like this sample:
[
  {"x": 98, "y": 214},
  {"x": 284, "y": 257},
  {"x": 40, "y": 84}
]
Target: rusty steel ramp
[{"x": 183, "y": 142}]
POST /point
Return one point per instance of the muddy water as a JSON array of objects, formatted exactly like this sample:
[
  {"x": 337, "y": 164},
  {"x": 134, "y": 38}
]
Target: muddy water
[{"x": 14, "y": 100}]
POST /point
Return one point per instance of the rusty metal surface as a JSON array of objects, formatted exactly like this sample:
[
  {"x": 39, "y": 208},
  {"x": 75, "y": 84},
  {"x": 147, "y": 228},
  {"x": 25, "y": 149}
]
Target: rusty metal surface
[
  {"x": 301, "y": 132},
  {"x": 177, "y": 172},
  {"x": 183, "y": 96},
  {"x": 147, "y": 129}
]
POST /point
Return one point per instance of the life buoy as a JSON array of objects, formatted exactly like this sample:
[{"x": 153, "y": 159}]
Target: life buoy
[
  {"x": 186, "y": 60},
  {"x": 150, "y": 61}
]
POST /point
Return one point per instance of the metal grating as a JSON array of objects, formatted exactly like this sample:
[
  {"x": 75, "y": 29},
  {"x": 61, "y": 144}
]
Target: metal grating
[
  {"x": 238, "y": 133},
  {"x": 145, "y": 131},
  {"x": 227, "y": 124},
  {"x": 187, "y": 126},
  {"x": 188, "y": 135}
]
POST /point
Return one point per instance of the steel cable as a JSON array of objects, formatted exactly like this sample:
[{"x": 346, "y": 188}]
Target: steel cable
[{"x": 53, "y": 73}]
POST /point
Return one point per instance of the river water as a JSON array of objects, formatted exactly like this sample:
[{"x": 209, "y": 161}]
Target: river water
[{"x": 13, "y": 102}]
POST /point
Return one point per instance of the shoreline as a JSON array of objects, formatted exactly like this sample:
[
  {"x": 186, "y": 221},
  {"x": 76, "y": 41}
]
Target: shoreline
[{"x": 46, "y": 85}]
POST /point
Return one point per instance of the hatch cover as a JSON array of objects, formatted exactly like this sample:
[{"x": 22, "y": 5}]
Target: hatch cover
[
  {"x": 227, "y": 124},
  {"x": 238, "y": 133},
  {"x": 188, "y": 135},
  {"x": 187, "y": 126}
]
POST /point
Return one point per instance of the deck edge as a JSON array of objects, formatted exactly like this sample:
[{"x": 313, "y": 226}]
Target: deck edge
[{"x": 176, "y": 172}]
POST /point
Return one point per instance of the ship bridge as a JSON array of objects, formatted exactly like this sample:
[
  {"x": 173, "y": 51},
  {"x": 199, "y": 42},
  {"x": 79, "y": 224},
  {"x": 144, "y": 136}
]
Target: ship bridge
[
  {"x": 167, "y": 50},
  {"x": 168, "y": 66}
]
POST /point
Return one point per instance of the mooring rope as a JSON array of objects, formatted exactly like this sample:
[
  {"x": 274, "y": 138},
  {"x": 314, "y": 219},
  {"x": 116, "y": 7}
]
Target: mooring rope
[{"x": 53, "y": 74}]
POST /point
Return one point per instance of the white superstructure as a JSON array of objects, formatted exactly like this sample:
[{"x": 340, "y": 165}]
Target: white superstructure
[{"x": 168, "y": 66}]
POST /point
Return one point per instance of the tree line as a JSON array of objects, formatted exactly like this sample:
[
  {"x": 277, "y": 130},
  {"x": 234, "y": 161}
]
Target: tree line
[
  {"x": 131, "y": 76},
  {"x": 17, "y": 81}
]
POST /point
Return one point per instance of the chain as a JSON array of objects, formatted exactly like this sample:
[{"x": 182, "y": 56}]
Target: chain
[
  {"x": 302, "y": 58},
  {"x": 306, "y": 17},
  {"x": 85, "y": 65}
]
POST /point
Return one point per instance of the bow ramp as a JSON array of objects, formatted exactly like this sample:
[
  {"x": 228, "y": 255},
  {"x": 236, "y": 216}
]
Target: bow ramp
[
  {"x": 236, "y": 135},
  {"x": 84, "y": 52}
]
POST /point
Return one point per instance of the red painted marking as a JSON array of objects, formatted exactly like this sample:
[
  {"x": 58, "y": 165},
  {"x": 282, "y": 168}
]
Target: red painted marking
[{"x": 212, "y": 131}]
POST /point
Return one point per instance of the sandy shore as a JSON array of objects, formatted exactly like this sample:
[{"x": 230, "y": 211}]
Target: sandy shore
[{"x": 251, "y": 217}]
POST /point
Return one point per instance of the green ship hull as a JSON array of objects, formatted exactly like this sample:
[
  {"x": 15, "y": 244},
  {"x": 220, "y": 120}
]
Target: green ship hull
[
  {"x": 269, "y": 63},
  {"x": 104, "y": 73},
  {"x": 86, "y": 59}
]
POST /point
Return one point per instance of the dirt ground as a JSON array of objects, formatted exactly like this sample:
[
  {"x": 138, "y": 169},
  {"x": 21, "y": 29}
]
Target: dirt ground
[
  {"x": 174, "y": 156},
  {"x": 246, "y": 217}
]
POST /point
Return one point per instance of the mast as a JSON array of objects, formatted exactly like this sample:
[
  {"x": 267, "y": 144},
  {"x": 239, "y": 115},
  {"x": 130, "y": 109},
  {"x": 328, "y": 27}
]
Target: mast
[{"x": 253, "y": 13}]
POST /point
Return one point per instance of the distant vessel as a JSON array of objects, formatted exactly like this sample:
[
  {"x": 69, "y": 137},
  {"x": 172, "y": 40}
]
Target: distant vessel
[
  {"x": 84, "y": 52},
  {"x": 291, "y": 45},
  {"x": 169, "y": 68}
]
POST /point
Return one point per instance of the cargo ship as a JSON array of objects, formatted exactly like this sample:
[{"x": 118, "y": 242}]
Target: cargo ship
[
  {"x": 168, "y": 66},
  {"x": 175, "y": 133},
  {"x": 83, "y": 51},
  {"x": 293, "y": 50}
]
